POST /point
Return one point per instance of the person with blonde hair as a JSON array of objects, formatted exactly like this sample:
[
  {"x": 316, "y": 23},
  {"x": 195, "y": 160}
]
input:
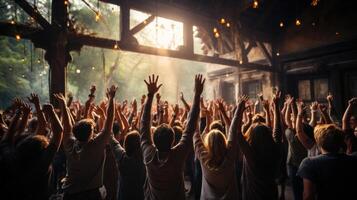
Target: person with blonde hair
[
  {"x": 330, "y": 174},
  {"x": 217, "y": 156}
]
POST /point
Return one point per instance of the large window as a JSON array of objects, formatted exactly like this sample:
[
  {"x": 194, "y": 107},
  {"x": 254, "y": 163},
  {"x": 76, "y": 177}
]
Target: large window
[
  {"x": 313, "y": 89},
  {"x": 252, "y": 88}
]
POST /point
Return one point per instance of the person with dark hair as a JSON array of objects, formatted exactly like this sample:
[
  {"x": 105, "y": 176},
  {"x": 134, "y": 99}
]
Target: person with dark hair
[
  {"x": 348, "y": 126},
  {"x": 262, "y": 151},
  {"x": 34, "y": 156},
  {"x": 217, "y": 156},
  {"x": 329, "y": 175},
  {"x": 86, "y": 154},
  {"x": 165, "y": 163},
  {"x": 131, "y": 167}
]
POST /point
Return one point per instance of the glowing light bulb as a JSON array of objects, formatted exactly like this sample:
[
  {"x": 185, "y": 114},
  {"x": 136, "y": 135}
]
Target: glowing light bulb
[
  {"x": 215, "y": 30},
  {"x": 23, "y": 60},
  {"x": 281, "y": 24},
  {"x": 297, "y": 22},
  {"x": 216, "y": 35},
  {"x": 223, "y": 21},
  {"x": 23, "y": 75},
  {"x": 241, "y": 62},
  {"x": 93, "y": 68},
  {"x": 38, "y": 61},
  {"x": 313, "y": 24},
  {"x": 337, "y": 33},
  {"x": 115, "y": 46},
  {"x": 314, "y": 3},
  {"x": 228, "y": 24},
  {"x": 255, "y": 4},
  {"x": 277, "y": 54},
  {"x": 12, "y": 22},
  {"x": 145, "y": 22},
  {"x": 97, "y": 17},
  {"x": 18, "y": 37},
  {"x": 78, "y": 71},
  {"x": 65, "y": 2}
]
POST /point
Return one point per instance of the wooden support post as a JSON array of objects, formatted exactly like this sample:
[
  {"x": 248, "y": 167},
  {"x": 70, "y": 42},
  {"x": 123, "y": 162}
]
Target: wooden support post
[
  {"x": 57, "y": 54},
  {"x": 125, "y": 21},
  {"x": 188, "y": 38}
]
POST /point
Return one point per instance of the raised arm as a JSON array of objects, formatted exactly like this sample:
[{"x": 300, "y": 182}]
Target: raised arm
[
  {"x": 56, "y": 126},
  {"x": 313, "y": 109},
  {"x": 9, "y": 136},
  {"x": 235, "y": 128},
  {"x": 145, "y": 124},
  {"x": 267, "y": 112},
  {"x": 26, "y": 109},
  {"x": 287, "y": 115},
  {"x": 324, "y": 114},
  {"x": 41, "y": 127},
  {"x": 66, "y": 118},
  {"x": 183, "y": 100},
  {"x": 347, "y": 115},
  {"x": 174, "y": 114},
  {"x": 304, "y": 139},
  {"x": 90, "y": 100},
  {"x": 223, "y": 112},
  {"x": 277, "y": 130}
]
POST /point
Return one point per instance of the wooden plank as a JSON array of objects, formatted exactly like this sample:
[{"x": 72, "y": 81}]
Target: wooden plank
[
  {"x": 142, "y": 25},
  {"x": 265, "y": 52},
  {"x": 35, "y": 14},
  {"x": 109, "y": 44}
]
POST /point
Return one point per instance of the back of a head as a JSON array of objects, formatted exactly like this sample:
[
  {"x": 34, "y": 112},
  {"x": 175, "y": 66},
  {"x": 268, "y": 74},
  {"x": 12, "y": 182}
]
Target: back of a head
[
  {"x": 31, "y": 148},
  {"x": 132, "y": 143},
  {"x": 116, "y": 128},
  {"x": 259, "y": 136},
  {"x": 83, "y": 130},
  {"x": 178, "y": 133},
  {"x": 308, "y": 130},
  {"x": 216, "y": 145},
  {"x": 217, "y": 125},
  {"x": 258, "y": 118},
  {"x": 329, "y": 137},
  {"x": 164, "y": 138}
]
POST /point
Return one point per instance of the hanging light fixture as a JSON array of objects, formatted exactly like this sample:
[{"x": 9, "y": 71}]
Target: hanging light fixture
[
  {"x": 228, "y": 24},
  {"x": 222, "y": 21},
  {"x": 18, "y": 37},
  {"x": 255, "y": 4},
  {"x": 215, "y": 30},
  {"x": 216, "y": 35},
  {"x": 281, "y": 24},
  {"x": 297, "y": 22}
]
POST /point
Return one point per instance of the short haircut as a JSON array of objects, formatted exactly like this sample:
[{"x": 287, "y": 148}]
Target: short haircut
[
  {"x": 329, "y": 137},
  {"x": 31, "y": 148},
  {"x": 83, "y": 130},
  {"x": 132, "y": 143},
  {"x": 258, "y": 118},
  {"x": 217, "y": 124},
  {"x": 178, "y": 133},
  {"x": 163, "y": 138},
  {"x": 116, "y": 128}
]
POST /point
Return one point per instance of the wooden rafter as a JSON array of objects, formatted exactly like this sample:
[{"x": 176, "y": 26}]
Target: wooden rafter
[
  {"x": 33, "y": 13},
  {"x": 142, "y": 25},
  {"x": 265, "y": 52}
]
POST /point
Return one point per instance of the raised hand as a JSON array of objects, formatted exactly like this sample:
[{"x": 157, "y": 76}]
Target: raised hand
[
  {"x": 242, "y": 103},
  {"x": 277, "y": 97},
  {"x": 182, "y": 98},
  {"x": 142, "y": 100},
  {"x": 329, "y": 97},
  {"x": 175, "y": 109},
  {"x": 265, "y": 104},
  {"x": 152, "y": 85},
  {"x": 199, "y": 84},
  {"x": 314, "y": 105},
  {"x": 353, "y": 101},
  {"x": 60, "y": 98},
  {"x": 33, "y": 98},
  {"x": 111, "y": 92},
  {"x": 300, "y": 107},
  {"x": 92, "y": 90},
  {"x": 26, "y": 108},
  {"x": 323, "y": 108}
]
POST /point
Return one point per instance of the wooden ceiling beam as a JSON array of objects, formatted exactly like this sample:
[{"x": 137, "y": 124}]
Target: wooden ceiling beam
[{"x": 35, "y": 14}]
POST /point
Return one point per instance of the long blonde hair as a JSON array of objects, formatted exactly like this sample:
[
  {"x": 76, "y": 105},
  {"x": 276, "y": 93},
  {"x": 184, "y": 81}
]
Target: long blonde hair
[{"x": 216, "y": 146}]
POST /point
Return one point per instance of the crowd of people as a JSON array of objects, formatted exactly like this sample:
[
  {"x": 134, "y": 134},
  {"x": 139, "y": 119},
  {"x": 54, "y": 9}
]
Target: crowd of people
[{"x": 207, "y": 149}]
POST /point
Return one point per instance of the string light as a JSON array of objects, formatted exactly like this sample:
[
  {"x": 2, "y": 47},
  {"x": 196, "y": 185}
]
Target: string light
[
  {"x": 223, "y": 21},
  {"x": 313, "y": 24},
  {"x": 97, "y": 17},
  {"x": 297, "y": 22},
  {"x": 314, "y": 3},
  {"x": 12, "y": 22},
  {"x": 215, "y": 30},
  {"x": 277, "y": 54},
  {"x": 216, "y": 35},
  {"x": 228, "y": 24},
  {"x": 337, "y": 33},
  {"x": 115, "y": 46},
  {"x": 281, "y": 24},
  {"x": 241, "y": 62},
  {"x": 22, "y": 59},
  {"x": 93, "y": 68},
  {"x": 38, "y": 61},
  {"x": 78, "y": 71},
  {"x": 18, "y": 37},
  {"x": 255, "y": 4},
  {"x": 66, "y": 3}
]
